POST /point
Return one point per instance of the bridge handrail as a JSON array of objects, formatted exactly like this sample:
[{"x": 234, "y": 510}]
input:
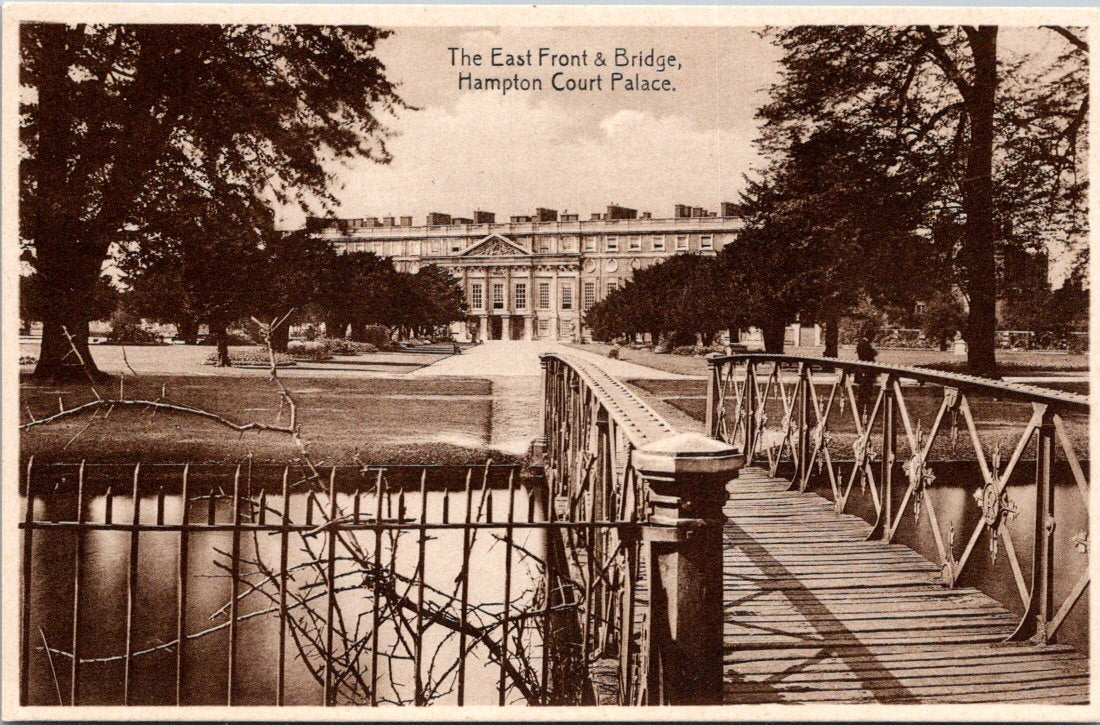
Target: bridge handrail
[
  {"x": 608, "y": 456},
  {"x": 639, "y": 423},
  {"x": 1021, "y": 391},
  {"x": 860, "y": 436}
]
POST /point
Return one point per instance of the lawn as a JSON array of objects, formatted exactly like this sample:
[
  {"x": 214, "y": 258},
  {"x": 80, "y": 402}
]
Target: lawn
[
  {"x": 1012, "y": 362},
  {"x": 343, "y": 420}
]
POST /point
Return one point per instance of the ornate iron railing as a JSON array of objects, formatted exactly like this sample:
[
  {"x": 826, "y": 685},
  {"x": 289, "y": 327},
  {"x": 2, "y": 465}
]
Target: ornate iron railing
[
  {"x": 835, "y": 424},
  {"x": 610, "y": 457}
]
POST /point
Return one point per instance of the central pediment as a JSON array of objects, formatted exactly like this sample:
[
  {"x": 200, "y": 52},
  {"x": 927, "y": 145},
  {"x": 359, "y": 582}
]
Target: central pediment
[{"x": 495, "y": 245}]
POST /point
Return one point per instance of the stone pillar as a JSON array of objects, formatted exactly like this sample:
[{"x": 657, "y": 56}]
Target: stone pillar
[
  {"x": 687, "y": 476},
  {"x": 483, "y": 327},
  {"x": 528, "y": 324},
  {"x": 506, "y": 324}
]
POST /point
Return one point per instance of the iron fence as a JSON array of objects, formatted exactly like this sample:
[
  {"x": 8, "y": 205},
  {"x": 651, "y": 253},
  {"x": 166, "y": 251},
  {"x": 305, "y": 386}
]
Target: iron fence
[
  {"x": 836, "y": 424},
  {"x": 378, "y": 591}
]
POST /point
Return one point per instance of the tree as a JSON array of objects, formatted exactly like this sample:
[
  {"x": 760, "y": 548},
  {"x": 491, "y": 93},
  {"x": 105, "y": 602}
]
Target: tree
[
  {"x": 975, "y": 124},
  {"x": 208, "y": 268},
  {"x": 943, "y": 316},
  {"x": 35, "y": 301},
  {"x": 115, "y": 119},
  {"x": 840, "y": 217},
  {"x": 295, "y": 268}
]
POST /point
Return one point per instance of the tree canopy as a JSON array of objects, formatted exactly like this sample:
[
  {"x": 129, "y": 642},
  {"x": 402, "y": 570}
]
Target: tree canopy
[
  {"x": 1000, "y": 137},
  {"x": 119, "y": 120}
]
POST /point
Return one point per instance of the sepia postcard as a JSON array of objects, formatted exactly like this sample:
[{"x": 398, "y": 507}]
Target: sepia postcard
[{"x": 414, "y": 362}]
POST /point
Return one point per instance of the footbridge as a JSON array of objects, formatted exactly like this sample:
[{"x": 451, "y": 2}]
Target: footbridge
[{"x": 839, "y": 532}]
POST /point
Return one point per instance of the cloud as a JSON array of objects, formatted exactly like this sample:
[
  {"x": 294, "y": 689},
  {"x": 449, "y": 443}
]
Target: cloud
[{"x": 512, "y": 153}]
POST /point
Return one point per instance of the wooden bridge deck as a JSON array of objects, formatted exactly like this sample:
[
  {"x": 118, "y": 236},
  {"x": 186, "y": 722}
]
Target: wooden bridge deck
[{"x": 816, "y": 614}]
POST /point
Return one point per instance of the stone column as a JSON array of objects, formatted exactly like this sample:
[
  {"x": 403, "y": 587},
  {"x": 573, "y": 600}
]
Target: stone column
[
  {"x": 687, "y": 476},
  {"x": 483, "y": 327},
  {"x": 528, "y": 325}
]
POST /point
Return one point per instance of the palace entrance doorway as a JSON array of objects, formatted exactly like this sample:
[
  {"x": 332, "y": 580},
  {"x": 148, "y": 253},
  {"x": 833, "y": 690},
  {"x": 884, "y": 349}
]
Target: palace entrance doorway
[{"x": 496, "y": 327}]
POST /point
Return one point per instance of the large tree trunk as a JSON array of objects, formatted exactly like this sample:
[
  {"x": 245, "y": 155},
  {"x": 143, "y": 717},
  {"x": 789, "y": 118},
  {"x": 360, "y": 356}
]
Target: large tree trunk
[
  {"x": 221, "y": 339},
  {"x": 775, "y": 332},
  {"x": 63, "y": 359},
  {"x": 280, "y": 337},
  {"x": 977, "y": 253},
  {"x": 832, "y": 337},
  {"x": 188, "y": 330},
  {"x": 335, "y": 326}
]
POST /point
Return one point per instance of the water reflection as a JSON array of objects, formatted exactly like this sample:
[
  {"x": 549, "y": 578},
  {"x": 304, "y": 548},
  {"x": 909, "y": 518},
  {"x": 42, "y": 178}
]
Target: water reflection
[{"x": 102, "y": 632}]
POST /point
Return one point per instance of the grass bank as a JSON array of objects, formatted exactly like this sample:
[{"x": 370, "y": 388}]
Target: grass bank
[{"x": 438, "y": 420}]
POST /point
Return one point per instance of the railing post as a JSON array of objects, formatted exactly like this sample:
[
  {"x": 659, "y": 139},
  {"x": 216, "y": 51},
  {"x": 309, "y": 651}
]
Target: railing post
[
  {"x": 714, "y": 383},
  {"x": 1036, "y": 619},
  {"x": 804, "y": 428},
  {"x": 750, "y": 411},
  {"x": 889, "y": 453},
  {"x": 686, "y": 476}
]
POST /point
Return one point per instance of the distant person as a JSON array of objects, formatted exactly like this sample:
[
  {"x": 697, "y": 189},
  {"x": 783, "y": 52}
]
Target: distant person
[
  {"x": 865, "y": 380},
  {"x": 865, "y": 351}
]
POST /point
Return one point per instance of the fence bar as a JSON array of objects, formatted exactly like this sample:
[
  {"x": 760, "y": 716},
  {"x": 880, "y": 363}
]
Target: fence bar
[
  {"x": 464, "y": 597},
  {"x": 234, "y": 575},
  {"x": 28, "y": 558},
  {"x": 548, "y": 576},
  {"x": 376, "y": 614},
  {"x": 284, "y": 534},
  {"x": 511, "y": 517},
  {"x": 131, "y": 589},
  {"x": 181, "y": 581},
  {"x": 421, "y": 575},
  {"x": 78, "y": 564},
  {"x": 330, "y": 604}
]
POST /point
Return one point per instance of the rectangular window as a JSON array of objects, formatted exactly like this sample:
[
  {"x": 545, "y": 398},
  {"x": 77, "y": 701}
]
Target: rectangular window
[
  {"x": 476, "y": 300},
  {"x": 544, "y": 327},
  {"x": 590, "y": 244},
  {"x": 658, "y": 243},
  {"x": 612, "y": 285},
  {"x": 612, "y": 244},
  {"x": 566, "y": 293},
  {"x": 456, "y": 246},
  {"x": 568, "y": 243},
  {"x": 706, "y": 242},
  {"x": 589, "y": 295},
  {"x": 544, "y": 295},
  {"x": 521, "y": 295},
  {"x": 498, "y": 295},
  {"x": 435, "y": 247},
  {"x": 635, "y": 243},
  {"x": 681, "y": 242}
]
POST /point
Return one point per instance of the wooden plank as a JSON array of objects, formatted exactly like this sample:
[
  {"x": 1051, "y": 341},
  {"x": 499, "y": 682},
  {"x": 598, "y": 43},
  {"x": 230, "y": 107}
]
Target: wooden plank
[{"x": 816, "y": 614}]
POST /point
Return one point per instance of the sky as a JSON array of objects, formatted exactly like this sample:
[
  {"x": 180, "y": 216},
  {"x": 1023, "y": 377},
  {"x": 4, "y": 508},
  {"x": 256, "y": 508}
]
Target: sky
[{"x": 465, "y": 149}]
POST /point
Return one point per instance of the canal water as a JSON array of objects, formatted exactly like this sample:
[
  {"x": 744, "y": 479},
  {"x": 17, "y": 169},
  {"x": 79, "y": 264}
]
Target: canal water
[{"x": 206, "y": 664}]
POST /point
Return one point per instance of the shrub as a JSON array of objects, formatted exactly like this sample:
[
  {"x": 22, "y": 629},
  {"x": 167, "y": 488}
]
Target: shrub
[
  {"x": 377, "y": 335},
  {"x": 613, "y": 353},
  {"x": 683, "y": 350},
  {"x": 28, "y": 360},
  {"x": 343, "y": 346},
  {"x": 310, "y": 350},
  {"x": 251, "y": 356},
  {"x": 126, "y": 329}
]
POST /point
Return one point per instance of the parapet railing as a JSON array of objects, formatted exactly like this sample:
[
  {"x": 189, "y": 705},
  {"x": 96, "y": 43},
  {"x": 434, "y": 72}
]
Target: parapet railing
[
  {"x": 835, "y": 424},
  {"x": 609, "y": 457}
]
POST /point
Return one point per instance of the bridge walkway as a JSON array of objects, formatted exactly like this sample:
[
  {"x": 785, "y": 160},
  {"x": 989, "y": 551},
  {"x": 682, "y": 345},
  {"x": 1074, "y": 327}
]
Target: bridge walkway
[{"x": 816, "y": 614}]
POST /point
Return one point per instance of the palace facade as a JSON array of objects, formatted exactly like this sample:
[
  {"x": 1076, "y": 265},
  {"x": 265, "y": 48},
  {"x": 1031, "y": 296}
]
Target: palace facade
[{"x": 534, "y": 276}]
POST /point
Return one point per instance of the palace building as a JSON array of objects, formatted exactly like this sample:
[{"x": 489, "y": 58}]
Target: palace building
[{"x": 534, "y": 276}]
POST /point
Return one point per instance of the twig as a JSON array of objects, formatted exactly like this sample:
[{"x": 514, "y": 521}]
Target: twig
[{"x": 53, "y": 670}]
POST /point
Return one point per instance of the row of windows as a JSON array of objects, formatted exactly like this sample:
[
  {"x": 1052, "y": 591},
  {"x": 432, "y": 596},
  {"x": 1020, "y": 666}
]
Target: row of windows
[
  {"x": 633, "y": 243},
  {"x": 542, "y": 297}
]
